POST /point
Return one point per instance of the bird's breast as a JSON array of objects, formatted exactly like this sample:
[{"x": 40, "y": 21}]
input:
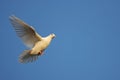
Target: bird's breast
[{"x": 40, "y": 46}]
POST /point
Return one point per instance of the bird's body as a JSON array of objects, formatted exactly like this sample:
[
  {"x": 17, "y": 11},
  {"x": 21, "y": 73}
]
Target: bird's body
[
  {"x": 31, "y": 39},
  {"x": 40, "y": 46}
]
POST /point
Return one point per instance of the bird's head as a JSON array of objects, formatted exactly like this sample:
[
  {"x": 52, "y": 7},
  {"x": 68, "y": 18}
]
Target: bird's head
[{"x": 53, "y": 35}]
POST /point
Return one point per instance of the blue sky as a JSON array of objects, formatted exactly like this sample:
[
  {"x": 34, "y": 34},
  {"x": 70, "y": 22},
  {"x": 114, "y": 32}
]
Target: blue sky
[{"x": 87, "y": 46}]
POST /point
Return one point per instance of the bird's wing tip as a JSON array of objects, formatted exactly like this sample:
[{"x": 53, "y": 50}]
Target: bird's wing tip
[{"x": 12, "y": 16}]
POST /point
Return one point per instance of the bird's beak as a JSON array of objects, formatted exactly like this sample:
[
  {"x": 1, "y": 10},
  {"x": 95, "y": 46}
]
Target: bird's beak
[{"x": 54, "y": 35}]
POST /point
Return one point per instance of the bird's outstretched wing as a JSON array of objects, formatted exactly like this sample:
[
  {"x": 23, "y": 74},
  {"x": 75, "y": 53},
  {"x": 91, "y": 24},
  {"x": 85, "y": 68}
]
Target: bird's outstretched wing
[{"x": 25, "y": 32}]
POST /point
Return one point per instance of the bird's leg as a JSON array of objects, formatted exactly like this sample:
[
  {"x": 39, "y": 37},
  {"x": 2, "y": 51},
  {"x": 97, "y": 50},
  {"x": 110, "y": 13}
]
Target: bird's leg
[{"x": 41, "y": 52}]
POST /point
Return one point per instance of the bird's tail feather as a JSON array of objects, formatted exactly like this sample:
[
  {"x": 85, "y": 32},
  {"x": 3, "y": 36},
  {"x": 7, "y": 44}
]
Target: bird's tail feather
[{"x": 26, "y": 57}]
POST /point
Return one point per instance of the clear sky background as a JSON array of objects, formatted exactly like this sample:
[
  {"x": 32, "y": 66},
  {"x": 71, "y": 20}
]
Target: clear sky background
[{"x": 87, "y": 46}]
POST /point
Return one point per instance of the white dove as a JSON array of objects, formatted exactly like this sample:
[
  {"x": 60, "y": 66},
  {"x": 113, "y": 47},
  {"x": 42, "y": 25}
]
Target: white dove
[{"x": 31, "y": 39}]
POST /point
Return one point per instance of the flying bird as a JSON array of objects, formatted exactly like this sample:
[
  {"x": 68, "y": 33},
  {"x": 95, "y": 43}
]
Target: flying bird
[{"x": 36, "y": 43}]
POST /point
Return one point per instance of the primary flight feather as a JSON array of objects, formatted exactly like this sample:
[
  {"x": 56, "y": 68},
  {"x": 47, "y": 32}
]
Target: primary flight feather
[{"x": 31, "y": 39}]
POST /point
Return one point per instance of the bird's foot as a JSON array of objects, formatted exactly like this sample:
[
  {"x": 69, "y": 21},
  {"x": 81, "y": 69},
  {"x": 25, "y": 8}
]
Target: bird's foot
[{"x": 40, "y": 53}]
